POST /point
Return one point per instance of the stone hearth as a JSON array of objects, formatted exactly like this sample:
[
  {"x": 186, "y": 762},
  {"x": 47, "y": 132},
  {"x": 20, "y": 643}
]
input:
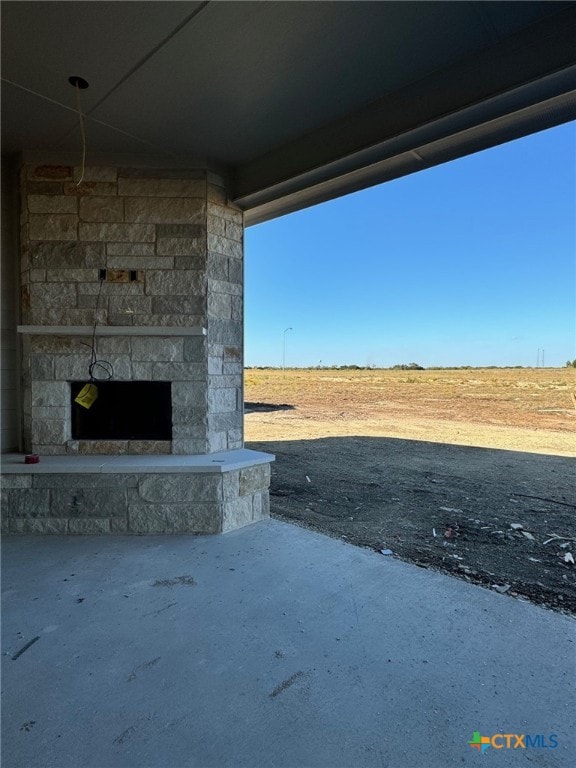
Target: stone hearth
[{"x": 135, "y": 494}]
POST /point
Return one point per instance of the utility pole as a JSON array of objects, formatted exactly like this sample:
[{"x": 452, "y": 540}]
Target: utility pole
[{"x": 284, "y": 349}]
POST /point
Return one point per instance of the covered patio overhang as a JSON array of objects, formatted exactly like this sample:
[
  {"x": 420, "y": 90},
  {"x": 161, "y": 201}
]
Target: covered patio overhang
[
  {"x": 294, "y": 103},
  {"x": 201, "y": 118}
]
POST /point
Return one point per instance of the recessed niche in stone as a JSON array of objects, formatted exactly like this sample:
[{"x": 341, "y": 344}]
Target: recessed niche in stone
[{"x": 124, "y": 410}]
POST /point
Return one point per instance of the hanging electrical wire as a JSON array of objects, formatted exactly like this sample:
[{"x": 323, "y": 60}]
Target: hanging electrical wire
[
  {"x": 79, "y": 83},
  {"x": 83, "y": 133},
  {"x": 98, "y": 370}
]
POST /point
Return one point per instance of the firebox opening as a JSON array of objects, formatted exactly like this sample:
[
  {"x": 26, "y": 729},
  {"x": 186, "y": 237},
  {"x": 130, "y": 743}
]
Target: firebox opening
[{"x": 124, "y": 410}]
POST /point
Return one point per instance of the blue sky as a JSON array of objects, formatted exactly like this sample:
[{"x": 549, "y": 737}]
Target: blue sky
[{"x": 468, "y": 263}]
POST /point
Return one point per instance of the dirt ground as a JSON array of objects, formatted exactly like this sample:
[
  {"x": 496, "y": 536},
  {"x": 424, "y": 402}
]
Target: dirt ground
[{"x": 468, "y": 472}]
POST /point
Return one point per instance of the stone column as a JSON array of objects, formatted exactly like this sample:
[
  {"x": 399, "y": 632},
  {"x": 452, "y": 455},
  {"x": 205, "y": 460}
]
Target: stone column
[{"x": 225, "y": 285}]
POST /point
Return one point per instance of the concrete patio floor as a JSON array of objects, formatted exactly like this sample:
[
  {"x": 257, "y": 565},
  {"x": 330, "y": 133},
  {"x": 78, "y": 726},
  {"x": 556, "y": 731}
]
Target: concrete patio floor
[{"x": 268, "y": 646}]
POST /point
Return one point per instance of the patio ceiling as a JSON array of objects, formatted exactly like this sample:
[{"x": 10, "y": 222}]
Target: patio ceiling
[{"x": 296, "y": 102}]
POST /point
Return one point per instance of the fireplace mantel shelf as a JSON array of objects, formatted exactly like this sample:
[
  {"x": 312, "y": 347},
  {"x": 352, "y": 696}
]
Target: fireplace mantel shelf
[{"x": 111, "y": 330}]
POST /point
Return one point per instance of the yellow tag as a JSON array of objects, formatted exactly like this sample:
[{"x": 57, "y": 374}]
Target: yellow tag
[{"x": 87, "y": 395}]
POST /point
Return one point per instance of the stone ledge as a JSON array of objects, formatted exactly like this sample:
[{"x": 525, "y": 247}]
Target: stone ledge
[
  {"x": 60, "y": 502},
  {"x": 224, "y": 461}
]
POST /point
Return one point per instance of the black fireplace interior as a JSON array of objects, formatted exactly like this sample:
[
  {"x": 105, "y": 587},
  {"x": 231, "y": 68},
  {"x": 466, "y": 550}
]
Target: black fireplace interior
[{"x": 124, "y": 410}]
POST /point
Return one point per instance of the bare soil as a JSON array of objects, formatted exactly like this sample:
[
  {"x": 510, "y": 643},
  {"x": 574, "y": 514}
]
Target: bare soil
[{"x": 440, "y": 467}]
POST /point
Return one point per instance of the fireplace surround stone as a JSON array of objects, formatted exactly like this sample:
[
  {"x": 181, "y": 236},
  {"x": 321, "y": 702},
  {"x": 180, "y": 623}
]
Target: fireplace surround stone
[
  {"x": 145, "y": 266},
  {"x": 182, "y": 239}
]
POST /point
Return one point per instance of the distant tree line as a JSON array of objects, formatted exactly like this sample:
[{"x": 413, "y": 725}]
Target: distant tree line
[
  {"x": 399, "y": 367},
  {"x": 571, "y": 363}
]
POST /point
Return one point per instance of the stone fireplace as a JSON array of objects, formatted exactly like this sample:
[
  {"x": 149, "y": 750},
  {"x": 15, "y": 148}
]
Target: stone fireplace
[
  {"x": 132, "y": 280},
  {"x": 151, "y": 262}
]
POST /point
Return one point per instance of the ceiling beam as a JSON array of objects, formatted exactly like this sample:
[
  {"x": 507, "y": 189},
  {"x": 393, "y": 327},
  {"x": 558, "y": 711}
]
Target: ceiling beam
[{"x": 531, "y": 67}]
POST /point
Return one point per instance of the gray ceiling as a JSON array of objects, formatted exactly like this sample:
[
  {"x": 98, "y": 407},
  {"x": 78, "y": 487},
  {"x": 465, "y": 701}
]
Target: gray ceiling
[{"x": 295, "y": 101}]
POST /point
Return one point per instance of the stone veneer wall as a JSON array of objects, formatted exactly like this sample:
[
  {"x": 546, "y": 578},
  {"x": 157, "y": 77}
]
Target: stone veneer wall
[
  {"x": 164, "y": 502},
  {"x": 185, "y": 240},
  {"x": 10, "y": 412}
]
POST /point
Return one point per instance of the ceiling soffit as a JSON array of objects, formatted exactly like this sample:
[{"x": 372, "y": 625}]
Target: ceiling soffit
[{"x": 295, "y": 102}]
